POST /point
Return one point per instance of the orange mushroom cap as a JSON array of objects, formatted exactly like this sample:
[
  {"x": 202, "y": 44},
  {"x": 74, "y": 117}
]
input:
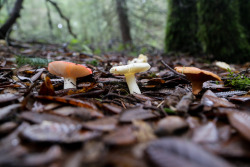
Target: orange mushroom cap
[
  {"x": 197, "y": 77},
  {"x": 68, "y": 69}
]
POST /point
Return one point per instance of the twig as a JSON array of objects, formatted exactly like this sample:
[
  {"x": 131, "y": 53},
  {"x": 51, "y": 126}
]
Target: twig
[
  {"x": 176, "y": 73},
  {"x": 63, "y": 17},
  {"x": 49, "y": 16},
  {"x": 165, "y": 64}
]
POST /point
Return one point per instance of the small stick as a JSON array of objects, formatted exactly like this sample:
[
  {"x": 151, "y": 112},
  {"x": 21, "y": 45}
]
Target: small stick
[
  {"x": 167, "y": 66},
  {"x": 178, "y": 74}
]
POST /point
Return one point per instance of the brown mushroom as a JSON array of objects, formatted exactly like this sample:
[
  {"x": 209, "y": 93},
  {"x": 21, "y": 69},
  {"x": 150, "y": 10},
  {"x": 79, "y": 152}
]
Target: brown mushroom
[
  {"x": 197, "y": 77},
  {"x": 69, "y": 71}
]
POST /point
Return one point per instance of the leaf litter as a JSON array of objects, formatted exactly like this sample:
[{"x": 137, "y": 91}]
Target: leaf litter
[{"x": 41, "y": 124}]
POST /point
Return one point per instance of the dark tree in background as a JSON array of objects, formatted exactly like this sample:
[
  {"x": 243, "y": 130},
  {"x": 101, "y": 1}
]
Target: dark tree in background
[
  {"x": 245, "y": 17},
  {"x": 181, "y": 26},
  {"x": 122, "y": 12},
  {"x": 15, "y": 13},
  {"x": 220, "y": 31}
]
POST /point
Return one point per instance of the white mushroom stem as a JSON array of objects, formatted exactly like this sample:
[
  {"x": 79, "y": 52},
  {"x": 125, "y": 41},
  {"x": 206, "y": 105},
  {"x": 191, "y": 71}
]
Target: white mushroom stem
[
  {"x": 132, "y": 85},
  {"x": 69, "y": 83}
]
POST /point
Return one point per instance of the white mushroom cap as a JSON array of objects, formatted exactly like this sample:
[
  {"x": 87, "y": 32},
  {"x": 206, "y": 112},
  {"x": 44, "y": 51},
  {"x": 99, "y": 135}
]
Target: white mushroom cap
[{"x": 130, "y": 68}]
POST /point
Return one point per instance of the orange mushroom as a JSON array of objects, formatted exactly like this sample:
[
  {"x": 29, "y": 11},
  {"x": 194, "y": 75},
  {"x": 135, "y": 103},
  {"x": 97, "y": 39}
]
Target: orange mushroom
[
  {"x": 69, "y": 71},
  {"x": 197, "y": 77}
]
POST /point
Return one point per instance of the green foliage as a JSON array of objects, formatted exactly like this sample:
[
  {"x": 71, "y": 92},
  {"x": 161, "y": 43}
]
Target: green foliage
[
  {"x": 169, "y": 111},
  {"x": 181, "y": 26},
  {"x": 93, "y": 63},
  {"x": 75, "y": 44},
  {"x": 34, "y": 62},
  {"x": 220, "y": 32},
  {"x": 239, "y": 82}
]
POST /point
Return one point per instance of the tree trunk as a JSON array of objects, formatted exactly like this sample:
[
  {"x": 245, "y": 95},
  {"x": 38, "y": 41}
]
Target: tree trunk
[
  {"x": 181, "y": 26},
  {"x": 220, "y": 31},
  {"x": 122, "y": 12},
  {"x": 245, "y": 17},
  {"x": 12, "y": 19}
]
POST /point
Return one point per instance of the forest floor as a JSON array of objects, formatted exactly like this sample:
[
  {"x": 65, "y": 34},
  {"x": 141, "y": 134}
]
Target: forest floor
[{"x": 101, "y": 124}]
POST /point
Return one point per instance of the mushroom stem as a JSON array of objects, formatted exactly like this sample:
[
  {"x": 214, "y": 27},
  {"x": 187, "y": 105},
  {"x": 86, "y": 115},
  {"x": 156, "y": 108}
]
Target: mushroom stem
[
  {"x": 132, "y": 85},
  {"x": 196, "y": 87},
  {"x": 69, "y": 83}
]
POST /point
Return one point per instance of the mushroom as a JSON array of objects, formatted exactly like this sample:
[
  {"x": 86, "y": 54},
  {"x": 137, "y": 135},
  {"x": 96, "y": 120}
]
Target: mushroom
[
  {"x": 197, "y": 77},
  {"x": 129, "y": 72},
  {"x": 141, "y": 59},
  {"x": 69, "y": 71}
]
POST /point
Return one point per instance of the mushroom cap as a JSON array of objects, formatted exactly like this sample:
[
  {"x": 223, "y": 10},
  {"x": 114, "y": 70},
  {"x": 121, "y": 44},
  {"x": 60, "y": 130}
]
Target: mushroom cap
[
  {"x": 196, "y": 74},
  {"x": 130, "y": 68},
  {"x": 68, "y": 69},
  {"x": 141, "y": 59}
]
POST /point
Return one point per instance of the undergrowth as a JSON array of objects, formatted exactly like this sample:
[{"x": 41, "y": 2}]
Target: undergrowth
[
  {"x": 238, "y": 81},
  {"x": 34, "y": 62}
]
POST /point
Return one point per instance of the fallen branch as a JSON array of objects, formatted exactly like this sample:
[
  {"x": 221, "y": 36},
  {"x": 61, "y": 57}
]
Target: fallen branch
[
  {"x": 63, "y": 17},
  {"x": 11, "y": 20}
]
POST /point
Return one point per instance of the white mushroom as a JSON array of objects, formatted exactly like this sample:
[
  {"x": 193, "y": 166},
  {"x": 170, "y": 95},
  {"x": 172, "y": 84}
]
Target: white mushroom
[
  {"x": 129, "y": 72},
  {"x": 141, "y": 59}
]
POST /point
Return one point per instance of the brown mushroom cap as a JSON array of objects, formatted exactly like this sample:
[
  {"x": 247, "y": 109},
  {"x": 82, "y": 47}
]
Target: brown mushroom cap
[
  {"x": 68, "y": 69},
  {"x": 197, "y": 77}
]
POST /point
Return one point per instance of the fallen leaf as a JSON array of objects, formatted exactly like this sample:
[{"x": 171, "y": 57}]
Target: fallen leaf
[
  {"x": 57, "y": 133},
  {"x": 175, "y": 152},
  {"x": 240, "y": 121},
  {"x": 47, "y": 88},
  {"x": 121, "y": 136},
  {"x": 170, "y": 124},
  {"x": 137, "y": 113},
  {"x": 66, "y": 100},
  {"x": 207, "y": 133},
  {"x": 103, "y": 124}
]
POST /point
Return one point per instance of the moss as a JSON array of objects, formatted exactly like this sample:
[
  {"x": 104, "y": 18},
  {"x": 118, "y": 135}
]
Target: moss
[
  {"x": 181, "y": 26},
  {"x": 220, "y": 32}
]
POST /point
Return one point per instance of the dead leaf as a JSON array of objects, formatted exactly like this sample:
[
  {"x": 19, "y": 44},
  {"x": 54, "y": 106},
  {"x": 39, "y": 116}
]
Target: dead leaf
[
  {"x": 240, "y": 121},
  {"x": 8, "y": 97},
  {"x": 121, "y": 136},
  {"x": 175, "y": 152},
  {"x": 170, "y": 124},
  {"x": 143, "y": 131},
  {"x": 71, "y": 101},
  {"x": 83, "y": 90},
  {"x": 137, "y": 113},
  {"x": 207, "y": 133},
  {"x": 103, "y": 124},
  {"x": 47, "y": 88},
  {"x": 57, "y": 133}
]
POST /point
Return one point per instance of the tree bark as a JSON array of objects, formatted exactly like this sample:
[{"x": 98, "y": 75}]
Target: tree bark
[
  {"x": 220, "y": 31},
  {"x": 181, "y": 27},
  {"x": 122, "y": 12},
  {"x": 12, "y": 19}
]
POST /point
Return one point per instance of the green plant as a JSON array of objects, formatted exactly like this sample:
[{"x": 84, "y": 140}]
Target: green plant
[
  {"x": 238, "y": 81},
  {"x": 169, "y": 111},
  {"x": 35, "y": 62},
  {"x": 93, "y": 62}
]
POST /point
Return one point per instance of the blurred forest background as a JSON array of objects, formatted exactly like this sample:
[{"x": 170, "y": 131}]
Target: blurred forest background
[
  {"x": 94, "y": 22},
  {"x": 198, "y": 27}
]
